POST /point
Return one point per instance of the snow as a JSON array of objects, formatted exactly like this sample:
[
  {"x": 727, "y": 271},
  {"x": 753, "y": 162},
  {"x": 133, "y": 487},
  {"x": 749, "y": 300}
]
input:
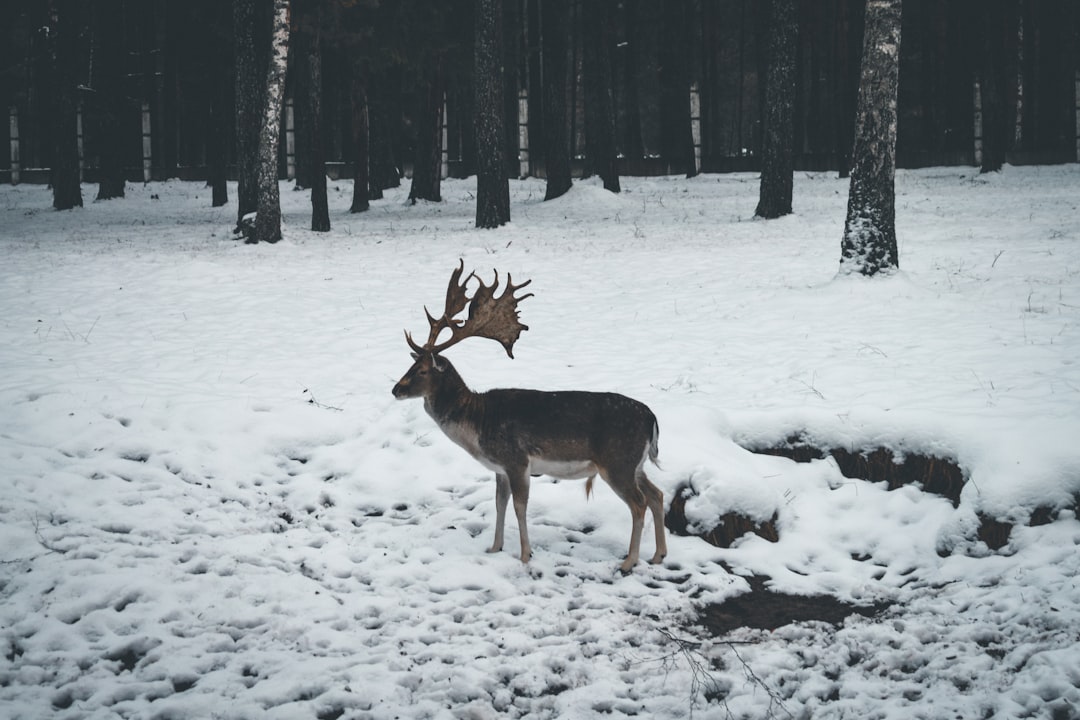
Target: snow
[{"x": 211, "y": 506}]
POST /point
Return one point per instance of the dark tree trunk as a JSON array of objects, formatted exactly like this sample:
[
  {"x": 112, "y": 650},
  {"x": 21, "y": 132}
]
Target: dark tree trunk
[
  {"x": 67, "y": 191},
  {"x": 777, "y": 161},
  {"x": 359, "y": 104},
  {"x": 310, "y": 28},
  {"x": 250, "y": 39},
  {"x": 998, "y": 22},
  {"x": 385, "y": 172},
  {"x": 268, "y": 215},
  {"x": 107, "y": 97},
  {"x": 600, "y": 152},
  {"x": 219, "y": 124},
  {"x": 869, "y": 244},
  {"x": 677, "y": 142},
  {"x": 632, "y": 145},
  {"x": 492, "y": 181},
  {"x": 427, "y": 170},
  {"x": 511, "y": 84},
  {"x": 555, "y": 18}
]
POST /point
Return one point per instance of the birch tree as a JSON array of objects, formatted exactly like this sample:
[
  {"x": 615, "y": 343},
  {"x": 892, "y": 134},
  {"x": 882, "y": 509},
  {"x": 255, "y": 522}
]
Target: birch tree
[
  {"x": 869, "y": 243},
  {"x": 268, "y": 216}
]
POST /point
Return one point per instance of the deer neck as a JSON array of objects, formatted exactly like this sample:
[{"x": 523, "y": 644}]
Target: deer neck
[{"x": 452, "y": 402}]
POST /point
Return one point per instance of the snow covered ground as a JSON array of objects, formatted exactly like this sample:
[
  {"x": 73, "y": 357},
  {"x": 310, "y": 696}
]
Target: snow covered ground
[{"x": 212, "y": 507}]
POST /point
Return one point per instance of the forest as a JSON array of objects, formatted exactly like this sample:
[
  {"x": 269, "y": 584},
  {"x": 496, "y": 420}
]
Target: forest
[{"x": 155, "y": 85}]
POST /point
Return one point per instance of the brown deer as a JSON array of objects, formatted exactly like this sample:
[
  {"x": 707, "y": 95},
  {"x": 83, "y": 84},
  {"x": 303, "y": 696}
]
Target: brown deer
[{"x": 522, "y": 433}]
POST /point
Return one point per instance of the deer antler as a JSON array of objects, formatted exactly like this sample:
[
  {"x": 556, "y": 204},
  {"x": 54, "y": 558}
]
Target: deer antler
[{"x": 495, "y": 318}]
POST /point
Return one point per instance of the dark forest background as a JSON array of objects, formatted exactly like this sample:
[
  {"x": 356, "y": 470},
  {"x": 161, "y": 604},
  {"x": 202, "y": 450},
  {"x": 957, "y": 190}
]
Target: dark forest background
[{"x": 156, "y": 79}]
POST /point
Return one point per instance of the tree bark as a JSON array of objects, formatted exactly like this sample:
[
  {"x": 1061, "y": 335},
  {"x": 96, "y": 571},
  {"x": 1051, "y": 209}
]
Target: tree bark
[
  {"x": 360, "y": 124},
  {"x": 315, "y": 162},
  {"x": 869, "y": 243},
  {"x": 492, "y": 180},
  {"x": 383, "y": 161},
  {"x": 998, "y": 21},
  {"x": 219, "y": 108},
  {"x": 777, "y": 162},
  {"x": 107, "y": 98},
  {"x": 427, "y": 174},
  {"x": 67, "y": 191},
  {"x": 249, "y": 37},
  {"x": 268, "y": 216},
  {"x": 600, "y": 153},
  {"x": 555, "y": 18},
  {"x": 677, "y": 142}
]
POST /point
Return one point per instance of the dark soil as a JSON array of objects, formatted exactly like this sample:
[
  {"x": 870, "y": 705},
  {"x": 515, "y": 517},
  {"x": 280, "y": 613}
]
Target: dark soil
[{"x": 767, "y": 610}]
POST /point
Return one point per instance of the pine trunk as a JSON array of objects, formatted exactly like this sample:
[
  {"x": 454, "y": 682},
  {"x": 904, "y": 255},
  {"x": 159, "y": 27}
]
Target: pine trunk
[
  {"x": 268, "y": 216},
  {"x": 316, "y": 164},
  {"x": 108, "y": 98},
  {"x": 249, "y": 36},
  {"x": 219, "y": 111},
  {"x": 777, "y": 162},
  {"x": 677, "y": 142},
  {"x": 359, "y": 103},
  {"x": 600, "y": 151},
  {"x": 427, "y": 172},
  {"x": 869, "y": 243},
  {"x": 67, "y": 190},
  {"x": 492, "y": 180},
  {"x": 556, "y": 29}
]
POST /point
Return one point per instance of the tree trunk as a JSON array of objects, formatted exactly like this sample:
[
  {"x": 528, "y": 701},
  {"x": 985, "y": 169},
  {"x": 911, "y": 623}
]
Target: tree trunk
[
  {"x": 677, "y": 142},
  {"x": 633, "y": 147},
  {"x": 511, "y": 60},
  {"x": 382, "y": 105},
  {"x": 359, "y": 105},
  {"x": 998, "y": 21},
  {"x": 107, "y": 97},
  {"x": 777, "y": 162},
  {"x": 492, "y": 180},
  {"x": 268, "y": 216},
  {"x": 427, "y": 166},
  {"x": 219, "y": 109},
  {"x": 67, "y": 191},
  {"x": 600, "y": 152},
  {"x": 869, "y": 243},
  {"x": 315, "y": 161},
  {"x": 250, "y": 38},
  {"x": 556, "y": 28}
]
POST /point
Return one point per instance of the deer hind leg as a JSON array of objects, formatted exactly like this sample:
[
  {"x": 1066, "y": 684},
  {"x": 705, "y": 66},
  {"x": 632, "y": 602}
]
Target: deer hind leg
[
  {"x": 502, "y": 497},
  {"x": 624, "y": 485},
  {"x": 519, "y": 489},
  {"x": 654, "y": 498}
]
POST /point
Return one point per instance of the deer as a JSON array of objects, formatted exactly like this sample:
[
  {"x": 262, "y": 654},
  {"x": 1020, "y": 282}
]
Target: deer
[{"x": 519, "y": 434}]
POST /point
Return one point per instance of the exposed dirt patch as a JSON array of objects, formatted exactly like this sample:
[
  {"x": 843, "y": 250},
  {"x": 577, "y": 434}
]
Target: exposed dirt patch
[
  {"x": 765, "y": 609},
  {"x": 941, "y": 476},
  {"x": 728, "y": 528}
]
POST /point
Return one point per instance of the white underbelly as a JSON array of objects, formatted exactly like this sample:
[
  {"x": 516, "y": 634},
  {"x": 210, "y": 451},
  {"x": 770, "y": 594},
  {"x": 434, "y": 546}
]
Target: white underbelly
[{"x": 562, "y": 469}]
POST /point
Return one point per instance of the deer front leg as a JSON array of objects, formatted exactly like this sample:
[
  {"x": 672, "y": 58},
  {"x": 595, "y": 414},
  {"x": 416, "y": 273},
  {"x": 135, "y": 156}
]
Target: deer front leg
[{"x": 502, "y": 496}]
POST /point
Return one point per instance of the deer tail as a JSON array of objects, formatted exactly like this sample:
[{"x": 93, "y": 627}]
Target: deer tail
[
  {"x": 654, "y": 443},
  {"x": 588, "y": 486}
]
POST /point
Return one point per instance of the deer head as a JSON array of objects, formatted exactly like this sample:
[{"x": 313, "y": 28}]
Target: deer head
[{"x": 495, "y": 318}]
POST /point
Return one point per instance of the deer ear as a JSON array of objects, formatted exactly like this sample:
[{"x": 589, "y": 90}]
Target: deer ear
[
  {"x": 438, "y": 363},
  {"x": 415, "y": 356}
]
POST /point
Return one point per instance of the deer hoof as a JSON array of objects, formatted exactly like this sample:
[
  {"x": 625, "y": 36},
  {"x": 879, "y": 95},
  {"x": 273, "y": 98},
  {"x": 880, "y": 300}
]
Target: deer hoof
[
  {"x": 657, "y": 559},
  {"x": 494, "y": 549}
]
